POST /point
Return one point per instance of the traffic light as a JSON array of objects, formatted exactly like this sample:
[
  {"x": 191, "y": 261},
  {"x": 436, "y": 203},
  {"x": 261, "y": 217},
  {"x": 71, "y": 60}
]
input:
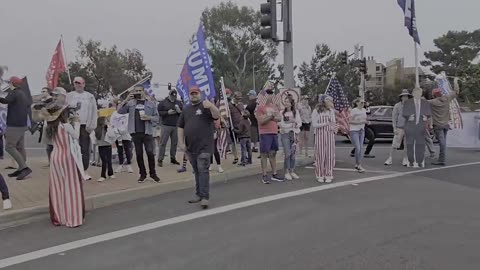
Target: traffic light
[
  {"x": 344, "y": 57},
  {"x": 269, "y": 20},
  {"x": 363, "y": 66},
  {"x": 169, "y": 86}
]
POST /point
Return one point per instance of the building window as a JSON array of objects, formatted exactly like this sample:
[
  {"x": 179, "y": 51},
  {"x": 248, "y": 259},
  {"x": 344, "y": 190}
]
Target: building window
[{"x": 378, "y": 68}]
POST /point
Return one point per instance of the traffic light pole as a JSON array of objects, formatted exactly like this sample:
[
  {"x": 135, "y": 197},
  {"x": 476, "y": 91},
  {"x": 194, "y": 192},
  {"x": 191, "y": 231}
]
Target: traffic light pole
[
  {"x": 362, "y": 79},
  {"x": 288, "y": 44}
]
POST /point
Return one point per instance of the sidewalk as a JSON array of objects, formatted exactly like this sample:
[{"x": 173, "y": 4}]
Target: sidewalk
[{"x": 30, "y": 197}]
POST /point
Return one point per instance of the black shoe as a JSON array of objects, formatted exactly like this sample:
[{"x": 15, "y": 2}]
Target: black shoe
[
  {"x": 195, "y": 200},
  {"x": 142, "y": 179},
  {"x": 174, "y": 162},
  {"x": 438, "y": 163},
  {"x": 24, "y": 173},
  {"x": 155, "y": 178},
  {"x": 160, "y": 163},
  {"x": 352, "y": 155},
  {"x": 15, "y": 173},
  {"x": 254, "y": 150},
  {"x": 235, "y": 161},
  {"x": 265, "y": 180},
  {"x": 368, "y": 156},
  {"x": 242, "y": 164}
]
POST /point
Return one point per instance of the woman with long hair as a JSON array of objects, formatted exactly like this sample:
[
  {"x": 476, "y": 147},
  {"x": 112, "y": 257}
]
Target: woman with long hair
[
  {"x": 323, "y": 121},
  {"x": 358, "y": 119},
  {"x": 289, "y": 130},
  {"x": 306, "y": 115},
  {"x": 66, "y": 198}
]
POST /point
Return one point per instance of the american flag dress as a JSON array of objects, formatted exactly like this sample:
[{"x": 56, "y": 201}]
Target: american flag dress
[
  {"x": 324, "y": 143},
  {"x": 67, "y": 205}
]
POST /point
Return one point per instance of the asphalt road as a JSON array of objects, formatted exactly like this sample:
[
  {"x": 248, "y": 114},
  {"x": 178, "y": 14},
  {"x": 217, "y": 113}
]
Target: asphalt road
[{"x": 378, "y": 220}]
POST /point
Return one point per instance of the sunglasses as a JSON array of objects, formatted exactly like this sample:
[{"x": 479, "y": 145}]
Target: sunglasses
[
  {"x": 77, "y": 82},
  {"x": 194, "y": 94}
]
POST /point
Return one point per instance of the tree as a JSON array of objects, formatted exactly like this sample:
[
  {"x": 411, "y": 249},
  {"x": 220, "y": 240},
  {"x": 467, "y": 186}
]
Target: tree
[
  {"x": 470, "y": 89},
  {"x": 390, "y": 93},
  {"x": 316, "y": 74},
  {"x": 232, "y": 34},
  {"x": 106, "y": 68},
  {"x": 455, "y": 54}
]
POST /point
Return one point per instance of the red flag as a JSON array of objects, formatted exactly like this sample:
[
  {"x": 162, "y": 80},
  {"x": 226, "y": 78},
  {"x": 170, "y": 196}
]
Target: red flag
[{"x": 57, "y": 66}]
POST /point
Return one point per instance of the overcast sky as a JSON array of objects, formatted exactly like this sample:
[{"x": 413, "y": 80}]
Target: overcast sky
[{"x": 160, "y": 29}]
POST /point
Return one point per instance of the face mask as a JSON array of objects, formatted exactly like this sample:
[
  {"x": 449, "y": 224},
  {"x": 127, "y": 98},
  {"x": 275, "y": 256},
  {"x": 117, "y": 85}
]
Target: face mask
[
  {"x": 269, "y": 91},
  {"x": 229, "y": 99},
  {"x": 245, "y": 117}
]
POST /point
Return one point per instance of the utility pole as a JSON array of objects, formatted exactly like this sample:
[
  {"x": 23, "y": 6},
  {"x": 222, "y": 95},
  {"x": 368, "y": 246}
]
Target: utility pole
[{"x": 288, "y": 44}]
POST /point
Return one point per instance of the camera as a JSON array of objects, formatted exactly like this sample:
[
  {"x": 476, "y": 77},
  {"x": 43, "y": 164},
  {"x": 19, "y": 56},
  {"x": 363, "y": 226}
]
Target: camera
[
  {"x": 43, "y": 103},
  {"x": 137, "y": 96}
]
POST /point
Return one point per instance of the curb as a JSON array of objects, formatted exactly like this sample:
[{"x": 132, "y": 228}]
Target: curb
[{"x": 24, "y": 216}]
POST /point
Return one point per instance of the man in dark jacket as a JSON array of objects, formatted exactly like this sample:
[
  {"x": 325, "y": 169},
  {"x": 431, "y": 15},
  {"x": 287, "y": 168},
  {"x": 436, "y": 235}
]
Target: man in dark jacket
[
  {"x": 236, "y": 107},
  {"x": 251, "y": 107},
  {"x": 243, "y": 133},
  {"x": 17, "y": 118},
  {"x": 169, "y": 110}
]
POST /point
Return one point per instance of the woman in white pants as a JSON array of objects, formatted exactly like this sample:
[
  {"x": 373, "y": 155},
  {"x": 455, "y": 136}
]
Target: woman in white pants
[{"x": 323, "y": 121}]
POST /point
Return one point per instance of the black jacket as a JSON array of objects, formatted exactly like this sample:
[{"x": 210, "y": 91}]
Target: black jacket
[
  {"x": 164, "y": 106},
  {"x": 18, "y": 108},
  {"x": 251, "y": 107},
  {"x": 243, "y": 129}
]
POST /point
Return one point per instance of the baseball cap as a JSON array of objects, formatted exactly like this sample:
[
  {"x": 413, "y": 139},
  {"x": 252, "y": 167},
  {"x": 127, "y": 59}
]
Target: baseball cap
[
  {"x": 252, "y": 93},
  {"x": 59, "y": 91},
  {"x": 16, "y": 81},
  {"x": 194, "y": 89}
]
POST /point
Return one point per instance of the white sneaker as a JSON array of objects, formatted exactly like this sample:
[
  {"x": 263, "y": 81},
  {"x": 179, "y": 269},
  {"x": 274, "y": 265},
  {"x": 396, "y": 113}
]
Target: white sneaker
[
  {"x": 328, "y": 179},
  {"x": 87, "y": 176},
  {"x": 405, "y": 162},
  {"x": 415, "y": 165},
  {"x": 210, "y": 168},
  {"x": 7, "y": 204},
  {"x": 112, "y": 177},
  {"x": 360, "y": 169},
  {"x": 320, "y": 179},
  {"x": 295, "y": 176},
  {"x": 389, "y": 161},
  {"x": 129, "y": 169},
  {"x": 422, "y": 165},
  {"x": 220, "y": 169},
  {"x": 288, "y": 176},
  {"x": 119, "y": 169},
  {"x": 101, "y": 179}
]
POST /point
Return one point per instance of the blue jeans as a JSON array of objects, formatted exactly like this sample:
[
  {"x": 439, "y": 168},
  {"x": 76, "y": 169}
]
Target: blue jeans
[
  {"x": 357, "y": 137},
  {"x": 201, "y": 164},
  {"x": 246, "y": 147},
  {"x": 441, "y": 134},
  {"x": 288, "y": 141}
]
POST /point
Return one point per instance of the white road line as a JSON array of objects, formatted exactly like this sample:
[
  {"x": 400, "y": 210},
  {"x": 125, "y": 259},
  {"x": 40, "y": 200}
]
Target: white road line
[
  {"x": 352, "y": 170},
  {"x": 215, "y": 211}
]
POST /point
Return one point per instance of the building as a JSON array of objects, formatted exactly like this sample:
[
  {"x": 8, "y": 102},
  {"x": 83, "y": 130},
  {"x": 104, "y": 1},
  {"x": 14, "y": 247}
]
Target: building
[{"x": 375, "y": 77}]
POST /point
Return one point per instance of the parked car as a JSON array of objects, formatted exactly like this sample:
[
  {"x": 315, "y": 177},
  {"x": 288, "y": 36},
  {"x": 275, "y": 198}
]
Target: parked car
[{"x": 380, "y": 118}]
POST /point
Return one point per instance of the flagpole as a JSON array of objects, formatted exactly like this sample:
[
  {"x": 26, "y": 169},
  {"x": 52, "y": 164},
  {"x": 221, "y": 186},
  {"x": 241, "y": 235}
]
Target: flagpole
[
  {"x": 330, "y": 82},
  {"x": 227, "y": 105},
  {"x": 66, "y": 62},
  {"x": 417, "y": 68},
  {"x": 137, "y": 83}
]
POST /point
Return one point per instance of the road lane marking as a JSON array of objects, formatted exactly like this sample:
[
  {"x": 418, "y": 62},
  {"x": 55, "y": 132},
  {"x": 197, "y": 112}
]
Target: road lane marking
[
  {"x": 353, "y": 170},
  {"x": 197, "y": 215}
]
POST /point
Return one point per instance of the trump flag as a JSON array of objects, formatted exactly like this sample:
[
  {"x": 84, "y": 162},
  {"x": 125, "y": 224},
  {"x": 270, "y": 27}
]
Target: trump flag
[
  {"x": 57, "y": 66},
  {"x": 197, "y": 70}
]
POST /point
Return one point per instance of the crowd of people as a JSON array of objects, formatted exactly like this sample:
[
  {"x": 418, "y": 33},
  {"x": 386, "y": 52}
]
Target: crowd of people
[{"x": 72, "y": 125}]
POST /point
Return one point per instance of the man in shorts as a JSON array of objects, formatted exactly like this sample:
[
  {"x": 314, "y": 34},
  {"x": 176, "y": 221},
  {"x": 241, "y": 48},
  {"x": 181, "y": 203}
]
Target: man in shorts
[
  {"x": 268, "y": 117},
  {"x": 398, "y": 122}
]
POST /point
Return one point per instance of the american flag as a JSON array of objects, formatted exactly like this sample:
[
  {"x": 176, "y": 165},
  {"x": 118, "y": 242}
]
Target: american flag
[
  {"x": 342, "y": 106},
  {"x": 262, "y": 98},
  {"x": 455, "y": 114},
  {"x": 222, "y": 135}
]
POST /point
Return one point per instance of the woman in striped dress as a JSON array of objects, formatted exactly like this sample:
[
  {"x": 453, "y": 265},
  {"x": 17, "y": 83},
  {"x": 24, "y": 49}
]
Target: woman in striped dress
[
  {"x": 323, "y": 121},
  {"x": 67, "y": 206}
]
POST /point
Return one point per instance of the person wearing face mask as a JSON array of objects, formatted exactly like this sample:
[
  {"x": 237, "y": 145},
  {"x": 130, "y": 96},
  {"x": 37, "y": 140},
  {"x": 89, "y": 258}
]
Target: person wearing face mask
[
  {"x": 142, "y": 118},
  {"x": 306, "y": 116},
  {"x": 87, "y": 114},
  {"x": 195, "y": 133},
  {"x": 398, "y": 123},
  {"x": 169, "y": 110},
  {"x": 417, "y": 113},
  {"x": 17, "y": 118},
  {"x": 236, "y": 108}
]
